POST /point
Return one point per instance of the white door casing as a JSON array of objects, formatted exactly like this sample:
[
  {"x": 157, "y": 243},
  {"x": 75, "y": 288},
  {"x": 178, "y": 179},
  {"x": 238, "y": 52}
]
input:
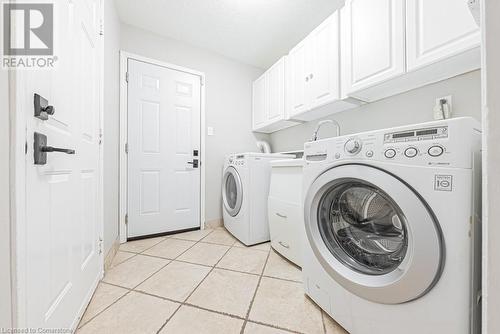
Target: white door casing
[
  {"x": 420, "y": 268},
  {"x": 58, "y": 237},
  {"x": 373, "y": 42},
  {"x": 164, "y": 108},
  {"x": 436, "y": 30}
]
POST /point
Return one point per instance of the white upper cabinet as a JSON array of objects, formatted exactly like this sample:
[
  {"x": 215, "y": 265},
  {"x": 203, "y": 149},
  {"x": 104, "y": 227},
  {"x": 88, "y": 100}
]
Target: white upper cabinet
[
  {"x": 393, "y": 46},
  {"x": 437, "y": 30},
  {"x": 373, "y": 42},
  {"x": 269, "y": 100},
  {"x": 298, "y": 76},
  {"x": 314, "y": 74},
  {"x": 260, "y": 106}
]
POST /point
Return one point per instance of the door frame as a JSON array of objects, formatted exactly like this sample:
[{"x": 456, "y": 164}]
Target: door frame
[
  {"x": 123, "y": 196},
  {"x": 20, "y": 138}
]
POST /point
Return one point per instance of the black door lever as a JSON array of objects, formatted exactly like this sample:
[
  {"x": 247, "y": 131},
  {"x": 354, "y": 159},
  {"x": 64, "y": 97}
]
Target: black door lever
[
  {"x": 41, "y": 149},
  {"x": 56, "y": 149}
]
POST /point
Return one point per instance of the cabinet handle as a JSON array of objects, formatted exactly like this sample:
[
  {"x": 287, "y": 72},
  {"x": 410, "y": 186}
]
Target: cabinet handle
[
  {"x": 307, "y": 79},
  {"x": 283, "y": 244},
  {"x": 311, "y": 76},
  {"x": 281, "y": 216}
]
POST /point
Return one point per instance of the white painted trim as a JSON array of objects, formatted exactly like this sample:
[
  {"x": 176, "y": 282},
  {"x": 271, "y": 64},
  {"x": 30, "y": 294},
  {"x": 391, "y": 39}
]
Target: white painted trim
[{"x": 124, "y": 57}]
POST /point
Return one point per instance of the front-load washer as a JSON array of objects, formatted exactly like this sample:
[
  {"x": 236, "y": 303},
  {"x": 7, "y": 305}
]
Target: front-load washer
[
  {"x": 392, "y": 228},
  {"x": 245, "y": 188}
]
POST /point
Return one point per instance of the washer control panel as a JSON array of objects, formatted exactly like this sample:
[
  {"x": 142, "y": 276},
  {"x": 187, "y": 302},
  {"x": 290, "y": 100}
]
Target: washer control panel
[
  {"x": 236, "y": 160},
  {"x": 438, "y": 143}
]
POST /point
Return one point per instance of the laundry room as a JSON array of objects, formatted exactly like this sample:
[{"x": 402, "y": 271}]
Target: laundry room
[{"x": 250, "y": 166}]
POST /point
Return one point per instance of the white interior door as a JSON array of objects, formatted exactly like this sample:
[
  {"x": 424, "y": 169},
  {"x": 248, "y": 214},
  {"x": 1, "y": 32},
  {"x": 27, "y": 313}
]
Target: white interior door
[
  {"x": 163, "y": 134},
  {"x": 62, "y": 261}
]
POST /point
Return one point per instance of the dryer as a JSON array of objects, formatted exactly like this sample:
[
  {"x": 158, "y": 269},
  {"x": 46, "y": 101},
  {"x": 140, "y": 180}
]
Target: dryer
[
  {"x": 392, "y": 225},
  {"x": 245, "y": 188}
]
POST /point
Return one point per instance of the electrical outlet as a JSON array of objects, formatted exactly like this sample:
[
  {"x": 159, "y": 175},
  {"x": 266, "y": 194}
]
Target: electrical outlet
[{"x": 443, "y": 110}]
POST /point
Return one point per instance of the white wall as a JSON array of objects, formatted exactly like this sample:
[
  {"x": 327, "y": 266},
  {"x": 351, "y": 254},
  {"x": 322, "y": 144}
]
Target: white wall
[
  {"x": 111, "y": 122},
  {"x": 491, "y": 166},
  {"x": 5, "y": 295},
  {"x": 411, "y": 107},
  {"x": 228, "y": 101}
]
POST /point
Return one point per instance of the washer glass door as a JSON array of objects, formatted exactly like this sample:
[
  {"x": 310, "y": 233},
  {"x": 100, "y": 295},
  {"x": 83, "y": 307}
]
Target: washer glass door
[
  {"x": 232, "y": 191},
  {"x": 373, "y": 234},
  {"x": 363, "y": 227}
]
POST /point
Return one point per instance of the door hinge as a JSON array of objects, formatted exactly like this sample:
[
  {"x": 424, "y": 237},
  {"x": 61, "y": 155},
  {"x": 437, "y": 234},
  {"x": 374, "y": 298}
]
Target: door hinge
[
  {"x": 126, "y": 148},
  {"x": 99, "y": 245},
  {"x": 126, "y": 219},
  {"x": 100, "y": 136},
  {"x": 126, "y": 76}
]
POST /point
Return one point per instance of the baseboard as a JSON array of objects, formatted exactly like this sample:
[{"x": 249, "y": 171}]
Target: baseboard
[
  {"x": 214, "y": 223},
  {"x": 111, "y": 254}
]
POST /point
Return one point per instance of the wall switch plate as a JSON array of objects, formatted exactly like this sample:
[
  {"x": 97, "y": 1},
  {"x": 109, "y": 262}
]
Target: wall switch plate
[
  {"x": 443, "y": 110},
  {"x": 210, "y": 131}
]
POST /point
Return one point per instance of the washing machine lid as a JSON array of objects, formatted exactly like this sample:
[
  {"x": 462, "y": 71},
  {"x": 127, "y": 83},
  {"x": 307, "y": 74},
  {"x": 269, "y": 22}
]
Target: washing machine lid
[
  {"x": 373, "y": 234},
  {"x": 232, "y": 191}
]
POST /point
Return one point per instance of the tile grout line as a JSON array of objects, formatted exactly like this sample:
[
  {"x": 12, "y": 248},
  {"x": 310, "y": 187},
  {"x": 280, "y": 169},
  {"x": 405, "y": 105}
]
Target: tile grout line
[
  {"x": 197, "y": 286},
  {"x": 323, "y": 321},
  {"x": 133, "y": 289},
  {"x": 185, "y": 303},
  {"x": 255, "y": 292}
]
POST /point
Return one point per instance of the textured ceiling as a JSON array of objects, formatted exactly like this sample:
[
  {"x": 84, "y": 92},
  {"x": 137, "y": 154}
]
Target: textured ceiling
[{"x": 255, "y": 32}]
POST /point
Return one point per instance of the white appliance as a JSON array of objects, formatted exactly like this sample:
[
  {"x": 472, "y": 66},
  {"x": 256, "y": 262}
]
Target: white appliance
[
  {"x": 245, "y": 188},
  {"x": 392, "y": 220},
  {"x": 285, "y": 211}
]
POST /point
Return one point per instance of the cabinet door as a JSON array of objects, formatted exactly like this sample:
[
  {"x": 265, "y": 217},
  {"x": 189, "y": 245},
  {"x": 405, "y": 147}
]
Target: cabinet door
[
  {"x": 276, "y": 91},
  {"x": 373, "y": 46},
  {"x": 437, "y": 30},
  {"x": 298, "y": 74},
  {"x": 325, "y": 75},
  {"x": 260, "y": 105}
]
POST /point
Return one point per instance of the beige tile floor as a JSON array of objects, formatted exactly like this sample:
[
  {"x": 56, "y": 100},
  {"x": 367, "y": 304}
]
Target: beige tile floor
[{"x": 202, "y": 282}]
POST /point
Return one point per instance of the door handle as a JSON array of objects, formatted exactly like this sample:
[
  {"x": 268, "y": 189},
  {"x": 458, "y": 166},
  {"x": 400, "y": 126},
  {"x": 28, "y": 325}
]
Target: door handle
[
  {"x": 194, "y": 163},
  {"x": 57, "y": 149},
  {"x": 41, "y": 149}
]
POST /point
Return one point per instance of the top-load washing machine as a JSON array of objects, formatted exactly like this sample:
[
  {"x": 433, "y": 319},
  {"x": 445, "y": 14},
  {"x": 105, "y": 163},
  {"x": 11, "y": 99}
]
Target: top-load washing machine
[
  {"x": 245, "y": 188},
  {"x": 392, "y": 225}
]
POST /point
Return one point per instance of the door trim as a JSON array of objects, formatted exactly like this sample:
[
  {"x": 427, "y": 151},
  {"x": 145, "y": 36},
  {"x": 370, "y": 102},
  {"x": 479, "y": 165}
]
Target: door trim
[{"x": 124, "y": 57}]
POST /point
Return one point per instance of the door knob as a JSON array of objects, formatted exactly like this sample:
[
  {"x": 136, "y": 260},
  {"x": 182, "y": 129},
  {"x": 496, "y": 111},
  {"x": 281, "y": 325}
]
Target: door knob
[
  {"x": 42, "y": 108},
  {"x": 41, "y": 149}
]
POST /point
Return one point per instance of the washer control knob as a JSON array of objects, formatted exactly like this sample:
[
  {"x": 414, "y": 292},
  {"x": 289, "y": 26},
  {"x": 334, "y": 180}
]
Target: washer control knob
[
  {"x": 390, "y": 153},
  {"x": 411, "y": 152},
  {"x": 435, "y": 151},
  {"x": 353, "y": 146}
]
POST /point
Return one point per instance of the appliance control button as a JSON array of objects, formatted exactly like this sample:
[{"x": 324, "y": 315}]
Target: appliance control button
[
  {"x": 390, "y": 153},
  {"x": 435, "y": 151},
  {"x": 369, "y": 154},
  {"x": 353, "y": 146},
  {"x": 411, "y": 152},
  {"x": 337, "y": 155}
]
